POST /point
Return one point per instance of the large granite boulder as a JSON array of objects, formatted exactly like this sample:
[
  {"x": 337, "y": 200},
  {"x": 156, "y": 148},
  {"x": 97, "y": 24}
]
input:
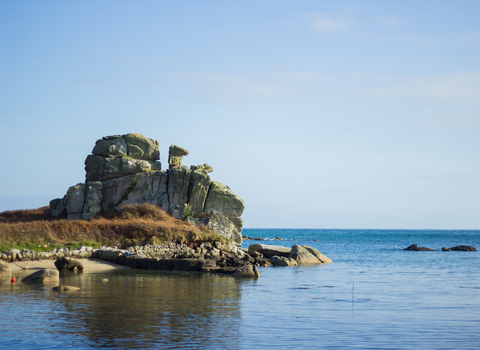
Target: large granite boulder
[
  {"x": 142, "y": 147},
  {"x": 111, "y": 146},
  {"x": 269, "y": 250},
  {"x": 221, "y": 198},
  {"x": 303, "y": 256}
]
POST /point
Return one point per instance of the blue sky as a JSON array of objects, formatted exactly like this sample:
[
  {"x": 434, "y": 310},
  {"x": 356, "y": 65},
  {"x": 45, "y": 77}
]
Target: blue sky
[{"x": 319, "y": 114}]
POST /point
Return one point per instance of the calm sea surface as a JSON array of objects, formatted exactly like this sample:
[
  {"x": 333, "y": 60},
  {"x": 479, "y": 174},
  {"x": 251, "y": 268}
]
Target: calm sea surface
[{"x": 374, "y": 296}]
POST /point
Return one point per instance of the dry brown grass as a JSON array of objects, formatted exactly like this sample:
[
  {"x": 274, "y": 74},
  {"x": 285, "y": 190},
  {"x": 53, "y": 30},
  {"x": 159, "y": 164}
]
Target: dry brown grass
[{"x": 132, "y": 225}]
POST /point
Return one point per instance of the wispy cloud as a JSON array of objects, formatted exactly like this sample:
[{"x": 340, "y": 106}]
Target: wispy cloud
[{"x": 331, "y": 23}]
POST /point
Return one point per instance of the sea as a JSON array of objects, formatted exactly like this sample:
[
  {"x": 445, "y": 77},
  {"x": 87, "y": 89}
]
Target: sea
[{"x": 374, "y": 295}]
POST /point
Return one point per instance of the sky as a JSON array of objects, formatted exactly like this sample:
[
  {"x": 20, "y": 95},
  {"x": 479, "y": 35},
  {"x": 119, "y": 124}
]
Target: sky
[{"x": 319, "y": 114}]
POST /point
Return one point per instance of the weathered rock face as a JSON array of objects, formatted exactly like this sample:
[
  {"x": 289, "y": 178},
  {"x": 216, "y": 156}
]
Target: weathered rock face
[
  {"x": 117, "y": 156},
  {"x": 124, "y": 169}
]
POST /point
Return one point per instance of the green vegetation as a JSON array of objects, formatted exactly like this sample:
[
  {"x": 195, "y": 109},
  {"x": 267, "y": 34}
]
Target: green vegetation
[{"x": 188, "y": 212}]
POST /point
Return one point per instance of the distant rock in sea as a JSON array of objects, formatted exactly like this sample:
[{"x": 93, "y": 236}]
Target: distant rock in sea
[{"x": 414, "y": 247}]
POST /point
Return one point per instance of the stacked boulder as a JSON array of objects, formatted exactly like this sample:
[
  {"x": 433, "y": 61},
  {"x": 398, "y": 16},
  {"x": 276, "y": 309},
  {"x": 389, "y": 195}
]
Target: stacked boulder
[{"x": 125, "y": 169}]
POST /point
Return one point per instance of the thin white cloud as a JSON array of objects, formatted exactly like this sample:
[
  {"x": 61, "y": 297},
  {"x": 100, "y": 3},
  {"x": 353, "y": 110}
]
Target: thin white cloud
[{"x": 331, "y": 23}]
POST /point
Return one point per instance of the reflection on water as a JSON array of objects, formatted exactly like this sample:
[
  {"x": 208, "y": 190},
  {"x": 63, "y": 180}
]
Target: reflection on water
[{"x": 134, "y": 309}]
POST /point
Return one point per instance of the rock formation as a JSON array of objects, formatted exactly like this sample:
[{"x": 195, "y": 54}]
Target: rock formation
[
  {"x": 283, "y": 256},
  {"x": 125, "y": 169}
]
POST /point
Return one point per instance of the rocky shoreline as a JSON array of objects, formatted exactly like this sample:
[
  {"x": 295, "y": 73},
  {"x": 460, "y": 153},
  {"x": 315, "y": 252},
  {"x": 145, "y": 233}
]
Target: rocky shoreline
[{"x": 217, "y": 257}]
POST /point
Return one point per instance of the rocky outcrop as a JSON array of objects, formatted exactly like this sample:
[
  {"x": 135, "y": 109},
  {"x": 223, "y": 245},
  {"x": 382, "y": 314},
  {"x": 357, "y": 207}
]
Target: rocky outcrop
[
  {"x": 125, "y": 169},
  {"x": 283, "y": 256}
]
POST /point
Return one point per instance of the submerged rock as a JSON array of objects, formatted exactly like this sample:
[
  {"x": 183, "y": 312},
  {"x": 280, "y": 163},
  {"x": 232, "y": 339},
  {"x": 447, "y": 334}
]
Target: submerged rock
[
  {"x": 43, "y": 276},
  {"x": 247, "y": 271},
  {"x": 67, "y": 289}
]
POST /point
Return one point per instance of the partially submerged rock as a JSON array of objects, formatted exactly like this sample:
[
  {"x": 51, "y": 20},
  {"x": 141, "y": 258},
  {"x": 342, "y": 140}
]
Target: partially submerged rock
[
  {"x": 464, "y": 248},
  {"x": 414, "y": 247},
  {"x": 303, "y": 256},
  {"x": 283, "y": 261},
  {"x": 68, "y": 264},
  {"x": 43, "y": 276}
]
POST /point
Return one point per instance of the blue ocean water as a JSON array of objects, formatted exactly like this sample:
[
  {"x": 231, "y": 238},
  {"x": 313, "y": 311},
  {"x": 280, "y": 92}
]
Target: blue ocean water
[{"x": 374, "y": 296}]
